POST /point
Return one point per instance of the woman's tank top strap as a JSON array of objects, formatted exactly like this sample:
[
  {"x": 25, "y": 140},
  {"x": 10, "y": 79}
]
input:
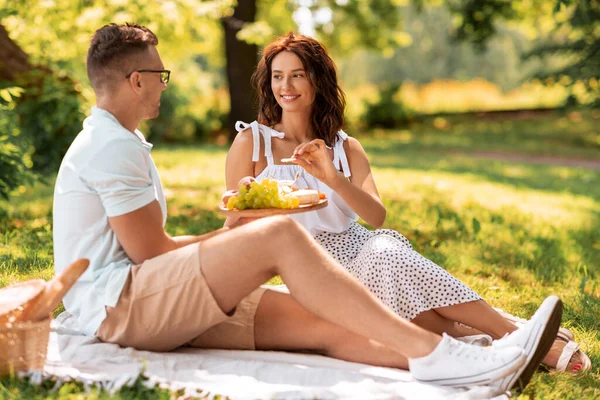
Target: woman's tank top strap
[
  {"x": 339, "y": 155},
  {"x": 257, "y": 130}
]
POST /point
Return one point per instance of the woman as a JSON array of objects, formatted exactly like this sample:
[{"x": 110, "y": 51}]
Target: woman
[{"x": 301, "y": 108}]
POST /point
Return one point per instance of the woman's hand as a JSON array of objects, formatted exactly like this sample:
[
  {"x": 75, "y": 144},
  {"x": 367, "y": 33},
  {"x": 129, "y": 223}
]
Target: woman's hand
[{"x": 316, "y": 160}]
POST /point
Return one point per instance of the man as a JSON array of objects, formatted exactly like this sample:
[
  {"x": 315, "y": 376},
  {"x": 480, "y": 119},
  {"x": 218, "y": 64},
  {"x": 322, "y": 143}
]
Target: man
[{"x": 151, "y": 291}]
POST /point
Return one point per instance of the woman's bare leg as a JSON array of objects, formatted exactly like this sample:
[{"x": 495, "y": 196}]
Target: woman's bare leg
[
  {"x": 479, "y": 315},
  {"x": 281, "y": 323},
  {"x": 434, "y": 322},
  {"x": 235, "y": 263}
]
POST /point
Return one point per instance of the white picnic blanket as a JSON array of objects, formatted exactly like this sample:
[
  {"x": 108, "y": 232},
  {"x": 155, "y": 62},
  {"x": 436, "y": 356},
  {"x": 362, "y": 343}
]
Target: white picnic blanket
[{"x": 236, "y": 374}]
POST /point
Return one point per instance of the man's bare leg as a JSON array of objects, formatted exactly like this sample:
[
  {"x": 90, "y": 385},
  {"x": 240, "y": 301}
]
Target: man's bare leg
[
  {"x": 281, "y": 323},
  {"x": 235, "y": 263}
]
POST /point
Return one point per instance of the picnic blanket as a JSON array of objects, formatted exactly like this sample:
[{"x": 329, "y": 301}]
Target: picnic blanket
[{"x": 236, "y": 374}]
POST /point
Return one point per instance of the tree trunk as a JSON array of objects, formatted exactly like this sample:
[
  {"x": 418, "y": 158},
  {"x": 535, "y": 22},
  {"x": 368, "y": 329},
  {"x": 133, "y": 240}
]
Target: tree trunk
[
  {"x": 13, "y": 60},
  {"x": 241, "y": 61}
]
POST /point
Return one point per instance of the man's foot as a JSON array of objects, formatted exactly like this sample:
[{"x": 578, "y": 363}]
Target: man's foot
[
  {"x": 535, "y": 338},
  {"x": 454, "y": 363}
]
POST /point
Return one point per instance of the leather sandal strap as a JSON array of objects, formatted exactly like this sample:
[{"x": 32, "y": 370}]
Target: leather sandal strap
[
  {"x": 564, "y": 336},
  {"x": 568, "y": 351}
]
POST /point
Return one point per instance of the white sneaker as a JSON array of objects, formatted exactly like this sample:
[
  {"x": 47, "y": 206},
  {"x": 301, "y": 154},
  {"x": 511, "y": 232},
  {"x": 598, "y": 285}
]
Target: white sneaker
[
  {"x": 481, "y": 340},
  {"x": 453, "y": 363},
  {"x": 535, "y": 338}
]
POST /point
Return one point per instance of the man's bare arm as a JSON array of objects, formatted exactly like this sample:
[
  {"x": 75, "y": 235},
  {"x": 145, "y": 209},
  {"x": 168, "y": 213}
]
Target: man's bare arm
[{"x": 142, "y": 235}]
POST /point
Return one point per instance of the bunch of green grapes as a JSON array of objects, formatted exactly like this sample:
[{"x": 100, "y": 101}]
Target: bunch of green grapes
[{"x": 263, "y": 194}]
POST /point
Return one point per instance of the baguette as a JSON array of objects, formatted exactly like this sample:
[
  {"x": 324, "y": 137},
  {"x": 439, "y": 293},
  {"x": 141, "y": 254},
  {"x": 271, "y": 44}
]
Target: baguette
[
  {"x": 54, "y": 291},
  {"x": 15, "y": 300}
]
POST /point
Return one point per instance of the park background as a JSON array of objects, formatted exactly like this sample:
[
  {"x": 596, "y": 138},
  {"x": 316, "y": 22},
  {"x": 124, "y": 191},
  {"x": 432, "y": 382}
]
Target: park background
[{"x": 481, "y": 120}]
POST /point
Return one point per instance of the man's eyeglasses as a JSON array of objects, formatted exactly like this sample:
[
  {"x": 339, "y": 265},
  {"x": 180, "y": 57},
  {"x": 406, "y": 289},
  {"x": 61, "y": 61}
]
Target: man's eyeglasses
[{"x": 165, "y": 74}]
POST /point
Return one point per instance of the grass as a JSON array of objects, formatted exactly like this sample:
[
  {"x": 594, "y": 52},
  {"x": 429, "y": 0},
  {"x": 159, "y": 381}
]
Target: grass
[
  {"x": 569, "y": 134},
  {"x": 514, "y": 232}
]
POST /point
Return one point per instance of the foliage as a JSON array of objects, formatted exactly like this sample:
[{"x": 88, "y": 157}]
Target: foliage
[
  {"x": 431, "y": 54},
  {"x": 278, "y": 15},
  {"x": 389, "y": 111},
  {"x": 477, "y": 22},
  {"x": 39, "y": 121},
  {"x": 342, "y": 25},
  {"x": 188, "y": 117},
  {"x": 50, "y": 117},
  {"x": 57, "y": 34},
  {"x": 360, "y": 23},
  {"x": 14, "y": 171},
  {"x": 573, "y": 33},
  {"x": 578, "y": 39}
]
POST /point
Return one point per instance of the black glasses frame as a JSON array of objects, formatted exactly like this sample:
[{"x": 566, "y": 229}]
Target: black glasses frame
[{"x": 165, "y": 74}]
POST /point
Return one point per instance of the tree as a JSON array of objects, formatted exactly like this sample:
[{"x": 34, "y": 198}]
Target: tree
[
  {"x": 574, "y": 32},
  {"x": 240, "y": 56},
  {"x": 13, "y": 59},
  {"x": 577, "y": 37}
]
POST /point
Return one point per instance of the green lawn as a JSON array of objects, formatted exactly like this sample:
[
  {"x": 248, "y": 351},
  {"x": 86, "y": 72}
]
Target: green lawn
[{"x": 514, "y": 232}]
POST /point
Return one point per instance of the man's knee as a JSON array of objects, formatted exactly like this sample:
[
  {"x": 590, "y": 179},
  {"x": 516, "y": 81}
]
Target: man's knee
[{"x": 284, "y": 228}]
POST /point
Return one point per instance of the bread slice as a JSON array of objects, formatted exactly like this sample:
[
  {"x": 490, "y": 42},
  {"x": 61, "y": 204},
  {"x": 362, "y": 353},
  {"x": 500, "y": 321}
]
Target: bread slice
[{"x": 306, "y": 196}]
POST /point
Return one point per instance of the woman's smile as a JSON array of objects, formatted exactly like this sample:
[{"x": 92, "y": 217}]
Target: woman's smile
[{"x": 288, "y": 98}]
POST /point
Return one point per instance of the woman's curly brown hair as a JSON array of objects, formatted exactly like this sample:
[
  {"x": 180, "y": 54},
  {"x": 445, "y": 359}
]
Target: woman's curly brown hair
[{"x": 328, "y": 108}]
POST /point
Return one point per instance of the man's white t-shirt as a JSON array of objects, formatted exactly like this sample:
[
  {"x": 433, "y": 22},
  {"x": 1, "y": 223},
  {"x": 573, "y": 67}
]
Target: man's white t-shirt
[{"x": 106, "y": 172}]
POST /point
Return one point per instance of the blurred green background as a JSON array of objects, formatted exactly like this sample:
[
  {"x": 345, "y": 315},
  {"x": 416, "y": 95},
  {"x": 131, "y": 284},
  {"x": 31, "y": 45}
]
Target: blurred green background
[{"x": 481, "y": 119}]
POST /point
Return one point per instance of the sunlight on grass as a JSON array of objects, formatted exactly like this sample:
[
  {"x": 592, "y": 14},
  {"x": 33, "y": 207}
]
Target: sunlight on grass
[
  {"x": 189, "y": 168},
  {"x": 533, "y": 134},
  {"x": 556, "y": 209}
]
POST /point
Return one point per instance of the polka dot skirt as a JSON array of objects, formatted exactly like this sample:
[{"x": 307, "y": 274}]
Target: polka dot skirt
[{"x": 385, "y": 262}]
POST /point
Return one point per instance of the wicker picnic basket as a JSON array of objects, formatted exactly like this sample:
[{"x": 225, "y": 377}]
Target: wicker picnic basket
[
  {"x": 23, "y": 346},
  {"x": 25, "y": 315}
]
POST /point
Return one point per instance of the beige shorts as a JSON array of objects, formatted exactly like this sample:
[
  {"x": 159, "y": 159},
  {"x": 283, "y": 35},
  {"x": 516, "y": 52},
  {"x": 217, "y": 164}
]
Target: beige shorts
[{"x": 166, "y": 303}]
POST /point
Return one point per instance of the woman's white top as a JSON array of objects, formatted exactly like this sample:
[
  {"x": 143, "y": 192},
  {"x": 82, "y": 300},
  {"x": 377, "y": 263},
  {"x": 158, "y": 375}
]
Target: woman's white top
[{"x": 337, "y": 216}]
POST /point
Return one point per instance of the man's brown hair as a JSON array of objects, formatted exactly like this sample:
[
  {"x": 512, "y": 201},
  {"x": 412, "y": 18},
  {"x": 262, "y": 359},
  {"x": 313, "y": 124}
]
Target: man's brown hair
[
  {"x": 328, "y": 109},
  {"x": 115, "y": 51}
]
